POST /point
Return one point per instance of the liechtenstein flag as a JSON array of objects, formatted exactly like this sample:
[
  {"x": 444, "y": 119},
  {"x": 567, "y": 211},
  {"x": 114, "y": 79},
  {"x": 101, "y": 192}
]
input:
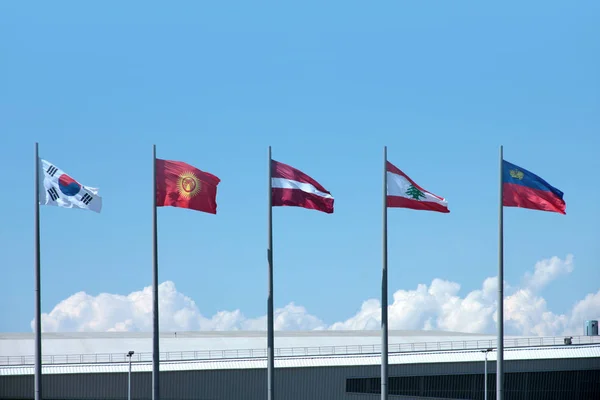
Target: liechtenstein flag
[
  {"x": 521, "y": 188},
  {"x": 59, "y": 189}
]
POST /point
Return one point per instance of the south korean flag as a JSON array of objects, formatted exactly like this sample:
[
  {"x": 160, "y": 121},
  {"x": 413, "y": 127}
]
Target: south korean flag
[{"x": 59, "y": 189}]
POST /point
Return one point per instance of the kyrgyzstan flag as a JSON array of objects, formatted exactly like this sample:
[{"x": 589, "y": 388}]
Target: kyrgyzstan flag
[
  {"x": 292, "y": 187},
  {"x": 403, "y": 192},
  {"x": 181, "y": 185}
]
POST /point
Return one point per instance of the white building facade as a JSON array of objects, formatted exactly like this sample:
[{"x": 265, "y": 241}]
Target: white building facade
[{"x": 311, "y": 365}]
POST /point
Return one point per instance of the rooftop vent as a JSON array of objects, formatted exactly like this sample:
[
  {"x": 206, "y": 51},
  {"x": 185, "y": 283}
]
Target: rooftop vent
[{"x": 591, "y": 328}]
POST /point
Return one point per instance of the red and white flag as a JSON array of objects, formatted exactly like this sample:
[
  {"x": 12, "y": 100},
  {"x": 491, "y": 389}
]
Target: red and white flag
[
  {"x": 403, "y": 192},
  {"x": 292, "y": 187}
]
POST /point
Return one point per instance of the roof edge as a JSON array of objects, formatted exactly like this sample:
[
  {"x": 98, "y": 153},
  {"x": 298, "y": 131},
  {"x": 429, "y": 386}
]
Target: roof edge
[{"x": 238, "y": 333}]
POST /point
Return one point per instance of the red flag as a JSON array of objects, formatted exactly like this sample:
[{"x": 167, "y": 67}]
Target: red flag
[
  {"x": 181, "y": 185},
  {"x": 291, "y": 187}
]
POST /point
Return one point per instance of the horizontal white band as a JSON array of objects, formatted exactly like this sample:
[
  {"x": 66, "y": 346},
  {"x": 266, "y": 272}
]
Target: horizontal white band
[
  {"x": 397, "y": 185},
  {"x": 282, "y": 183}
]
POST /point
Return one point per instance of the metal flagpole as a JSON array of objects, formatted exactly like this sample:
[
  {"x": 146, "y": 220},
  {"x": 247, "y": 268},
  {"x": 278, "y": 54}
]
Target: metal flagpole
[
  {"x": 129, "y": 355},
  {"x": 36, "y": 268},
  {"x": 485, "y": 376},
  {"x": 270, "y": 333},
  {"x": 384, "y": 289},
  {"x": 155, "y": 332},
  {"x": 500, "y": 339}
]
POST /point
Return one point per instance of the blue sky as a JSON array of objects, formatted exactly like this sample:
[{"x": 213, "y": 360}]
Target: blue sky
[{"x": 327, "y": 85}]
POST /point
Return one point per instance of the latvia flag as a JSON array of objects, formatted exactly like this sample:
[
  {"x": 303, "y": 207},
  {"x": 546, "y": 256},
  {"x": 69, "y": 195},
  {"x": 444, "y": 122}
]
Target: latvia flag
[
  {"x": 403, "y": 192},
  {"x": 291, "y": 187}
]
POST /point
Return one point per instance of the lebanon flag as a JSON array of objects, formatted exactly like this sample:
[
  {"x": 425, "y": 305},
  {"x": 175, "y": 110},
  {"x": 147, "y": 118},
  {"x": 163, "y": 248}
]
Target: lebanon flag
[
  {"x": 60, "y": 190},
  {"x": 403, "y": 192},
  {"x": 291, "y": 187},
  {"x": 181, "y": 185}
]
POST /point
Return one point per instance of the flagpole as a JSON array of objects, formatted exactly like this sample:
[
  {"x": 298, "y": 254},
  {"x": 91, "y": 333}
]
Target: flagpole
[
  {"x": 500, "y": 339},
  {"x": 155, "y": 331},
  {"x": 270, "y": 328},
  {"x": 384, "y": 289},
  {"x": 38, "y": 300}
]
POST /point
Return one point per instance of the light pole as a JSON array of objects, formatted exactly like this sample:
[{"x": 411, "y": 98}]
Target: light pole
[
  {"x": 129, "y": 375},
  {"x": 485, "y": 374}
]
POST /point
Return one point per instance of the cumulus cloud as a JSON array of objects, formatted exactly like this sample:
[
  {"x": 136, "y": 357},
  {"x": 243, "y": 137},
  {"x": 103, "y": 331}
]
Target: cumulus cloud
[
  {"x": 548, "y": 270},
  {"x": 177, "y": 312},
  {"x": 438, "y": 305}
]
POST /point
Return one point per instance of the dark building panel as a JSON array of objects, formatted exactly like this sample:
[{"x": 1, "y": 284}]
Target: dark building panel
[
  {"x": 547, "y": 385},
  {"x": 579, "y": 379}
]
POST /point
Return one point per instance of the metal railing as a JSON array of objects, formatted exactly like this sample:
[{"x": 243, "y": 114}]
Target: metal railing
[{"x": 297, "y": 351}]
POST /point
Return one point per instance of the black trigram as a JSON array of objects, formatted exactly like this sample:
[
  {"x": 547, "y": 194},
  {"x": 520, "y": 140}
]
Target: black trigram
[
  {"x": 53, "y": 193},
  {"x": 52, "y": 170},
  {"x": 86, "y": 199}
]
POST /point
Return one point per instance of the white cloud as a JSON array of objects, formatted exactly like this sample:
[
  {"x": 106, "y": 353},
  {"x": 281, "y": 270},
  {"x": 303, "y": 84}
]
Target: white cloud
[
  {"x": 112, "y": 312},
  {"x": 548, "y": 270},
  {"x": 435, "y": 306}
]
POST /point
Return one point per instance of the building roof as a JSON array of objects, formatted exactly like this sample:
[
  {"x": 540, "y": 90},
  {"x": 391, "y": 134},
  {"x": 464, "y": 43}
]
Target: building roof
[
  {"x": 215, "y": 342},
  {"x": 530, "y": 353},
  {"x": 112, "y": 347},
  {"x": 238, "y": 333}
]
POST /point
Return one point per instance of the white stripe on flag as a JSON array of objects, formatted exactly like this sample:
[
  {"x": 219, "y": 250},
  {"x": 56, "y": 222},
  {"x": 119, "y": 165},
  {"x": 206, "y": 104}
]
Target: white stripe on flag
[
  {"x": 282, "y": 183},
  {"x": 397, "y": 185}
]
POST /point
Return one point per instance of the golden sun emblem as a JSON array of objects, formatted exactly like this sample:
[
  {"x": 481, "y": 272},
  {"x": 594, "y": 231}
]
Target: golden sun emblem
[
  {"x": 188, "y": 185},
  {"x": 516, "y": 174}
]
